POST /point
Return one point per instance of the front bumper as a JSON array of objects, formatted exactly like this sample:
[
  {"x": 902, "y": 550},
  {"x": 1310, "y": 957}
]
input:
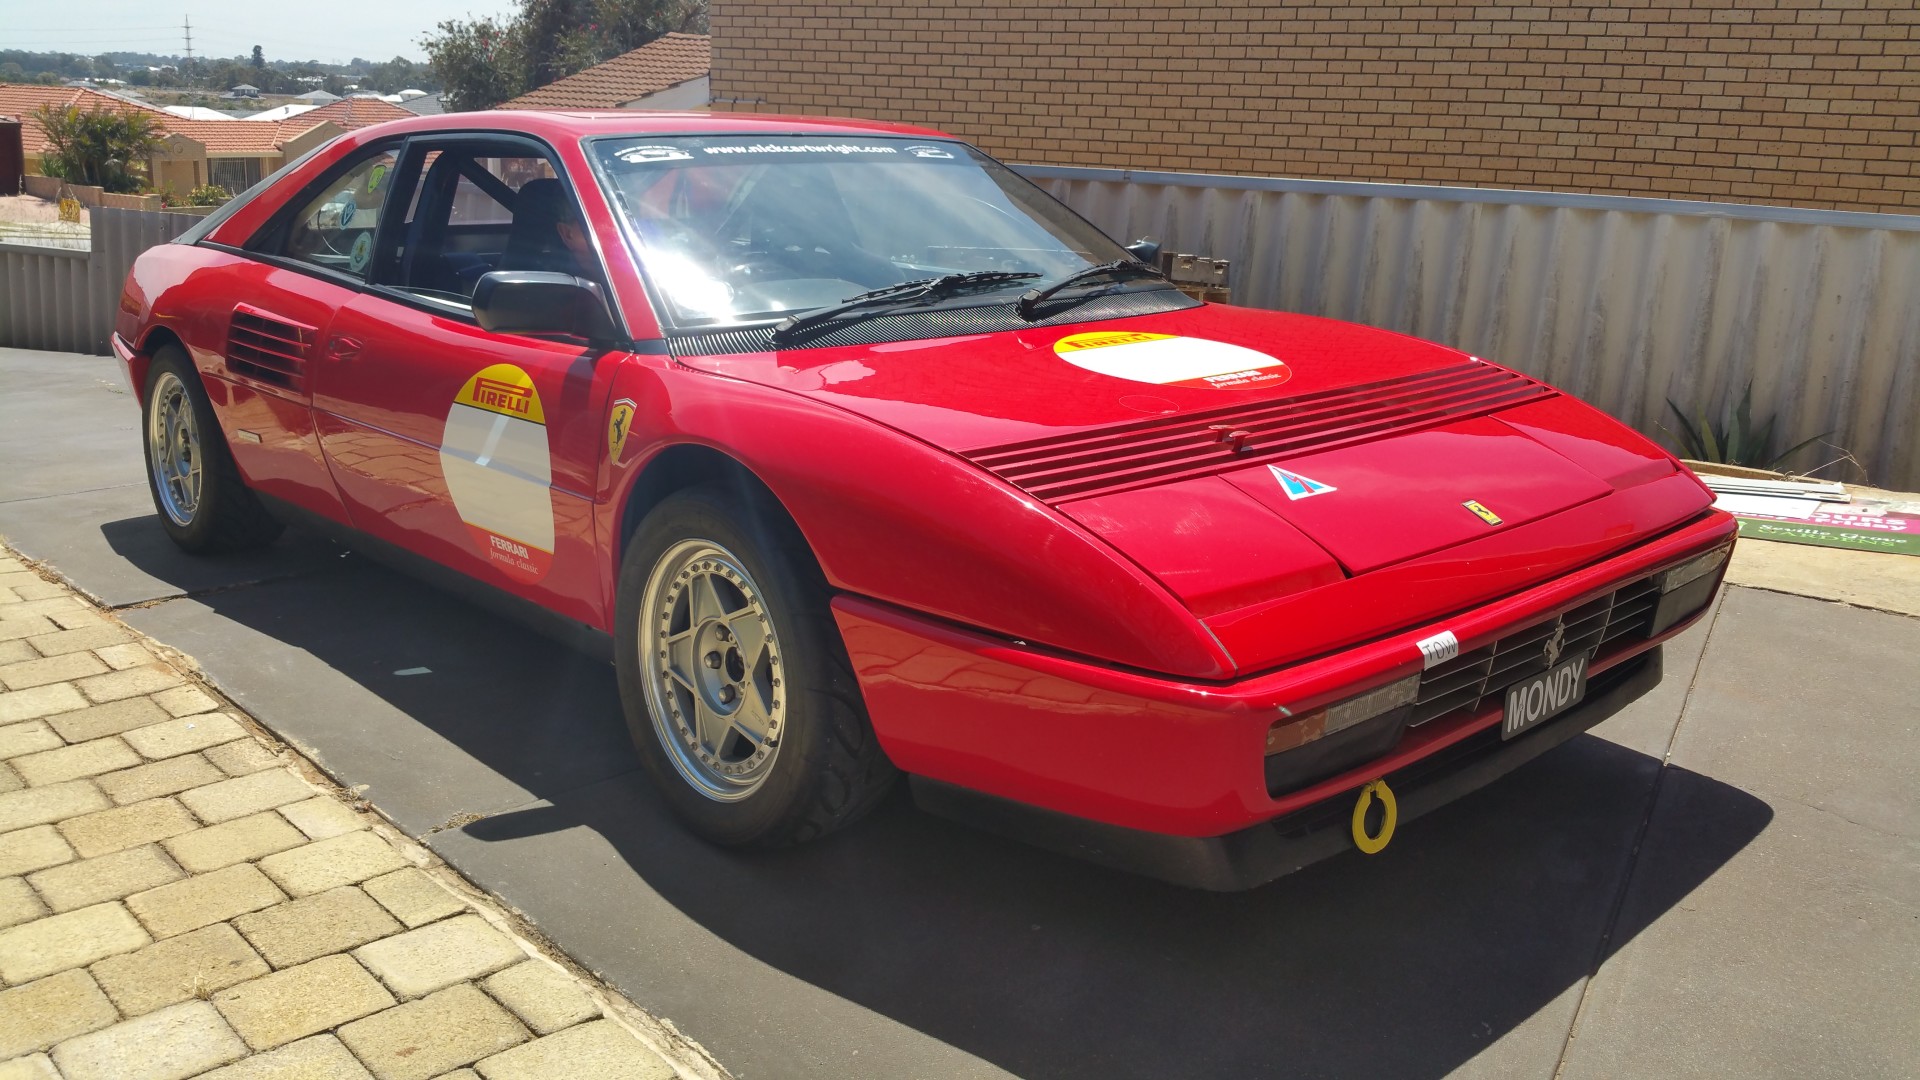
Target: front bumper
[
  {"x": 1176, "y": 757},
  {"x": 1260, "y": 853}
]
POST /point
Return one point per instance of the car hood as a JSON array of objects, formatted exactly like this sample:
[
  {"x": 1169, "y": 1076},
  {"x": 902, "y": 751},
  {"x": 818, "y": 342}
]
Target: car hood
[{"x": 1241, "y": 456}]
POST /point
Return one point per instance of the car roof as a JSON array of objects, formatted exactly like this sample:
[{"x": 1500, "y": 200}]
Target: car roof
[{"x": 574, "y": 123}]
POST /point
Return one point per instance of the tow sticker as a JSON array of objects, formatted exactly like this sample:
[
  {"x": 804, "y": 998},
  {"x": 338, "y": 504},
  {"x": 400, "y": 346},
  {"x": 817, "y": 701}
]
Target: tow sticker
[
  {"x": 1437, "y": 649},
  {"x": 499, "y": 470},
  {"x": 1170, "y": 360},
  {"x": 618, "y": 422}
]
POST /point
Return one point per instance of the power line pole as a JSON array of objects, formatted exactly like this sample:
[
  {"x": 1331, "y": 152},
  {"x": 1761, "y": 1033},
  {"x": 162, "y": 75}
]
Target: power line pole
[{"x": 186, "y": 68}]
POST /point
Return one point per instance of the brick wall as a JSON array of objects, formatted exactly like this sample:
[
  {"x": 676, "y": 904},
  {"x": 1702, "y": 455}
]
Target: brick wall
[{"x": 1800, "y": 102}]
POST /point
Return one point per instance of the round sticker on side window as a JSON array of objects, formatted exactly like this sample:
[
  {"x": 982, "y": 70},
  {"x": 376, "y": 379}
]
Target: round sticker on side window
[
  {"x": 499, "y": 472},
  {"x": 360, "y": 253},
  {"x": 1171, "y": 360}
]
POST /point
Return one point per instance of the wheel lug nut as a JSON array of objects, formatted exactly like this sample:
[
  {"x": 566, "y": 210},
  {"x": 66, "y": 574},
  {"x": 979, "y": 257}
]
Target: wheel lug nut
[
  {"x": 727, "y": 694},
  {"x": 712, "y": 659}
]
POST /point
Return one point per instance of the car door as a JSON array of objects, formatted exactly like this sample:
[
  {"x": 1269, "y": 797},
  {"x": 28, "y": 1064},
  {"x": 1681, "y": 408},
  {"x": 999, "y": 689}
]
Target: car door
[
  {"x": 478, "y": 450},
  {"x": 264, "y": 318}
]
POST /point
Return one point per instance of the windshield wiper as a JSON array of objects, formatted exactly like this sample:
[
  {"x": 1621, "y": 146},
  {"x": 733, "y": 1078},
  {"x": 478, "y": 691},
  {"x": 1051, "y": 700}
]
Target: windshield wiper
[
  {"x": 1118, "y": 270},
  {"x": 919, "y": 289}
]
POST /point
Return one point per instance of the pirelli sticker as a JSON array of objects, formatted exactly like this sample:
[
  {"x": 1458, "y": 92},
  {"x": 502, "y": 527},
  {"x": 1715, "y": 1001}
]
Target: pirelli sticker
[
  {"x": 1171, "y": 360},
  {"x": 499, "y": 470}
]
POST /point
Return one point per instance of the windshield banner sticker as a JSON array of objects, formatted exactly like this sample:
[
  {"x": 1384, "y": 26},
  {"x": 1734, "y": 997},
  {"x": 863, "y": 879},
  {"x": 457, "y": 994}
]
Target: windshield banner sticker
[
  {"x": 640, "y": 155},
  {"x": 800, "y": 148},
  {"x": 499, "y": 471},
  {"x": 1170, "y": 360}
]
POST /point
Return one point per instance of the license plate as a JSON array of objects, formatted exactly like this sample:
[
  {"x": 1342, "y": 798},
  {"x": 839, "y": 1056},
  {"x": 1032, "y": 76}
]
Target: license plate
[{"x": 1544, "y": 696}]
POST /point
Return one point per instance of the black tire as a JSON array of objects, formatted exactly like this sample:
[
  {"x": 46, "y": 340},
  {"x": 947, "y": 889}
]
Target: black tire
[
  {"x": 228, "y": 516},
  {"x": 829, "y": 769}
]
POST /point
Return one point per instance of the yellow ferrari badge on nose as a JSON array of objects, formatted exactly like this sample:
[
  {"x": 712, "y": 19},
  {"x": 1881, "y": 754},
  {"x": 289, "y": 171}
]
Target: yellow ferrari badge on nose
[
  {"x": 1480, "y": 511},
  {"x": 617, "y": 423}
]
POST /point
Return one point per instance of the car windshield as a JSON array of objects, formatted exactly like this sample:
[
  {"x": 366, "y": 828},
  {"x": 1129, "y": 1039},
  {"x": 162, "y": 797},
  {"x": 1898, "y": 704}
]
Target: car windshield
[{"x": 742, "y": 229}]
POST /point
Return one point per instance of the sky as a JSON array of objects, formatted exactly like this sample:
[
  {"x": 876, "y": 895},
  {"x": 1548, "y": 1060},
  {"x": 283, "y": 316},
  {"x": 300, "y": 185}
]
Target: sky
[{"x": 332, "y": 32}]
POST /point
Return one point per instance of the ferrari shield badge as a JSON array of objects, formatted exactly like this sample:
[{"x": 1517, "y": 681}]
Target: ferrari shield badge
[
  {"x": 618, "y": 421},
  {"x": 1298, "y": 487},
  {"x": 1481, "y": 512}
]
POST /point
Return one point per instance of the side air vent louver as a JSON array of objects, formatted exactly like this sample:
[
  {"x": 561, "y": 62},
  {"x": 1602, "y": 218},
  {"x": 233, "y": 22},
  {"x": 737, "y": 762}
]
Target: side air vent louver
[
  {"x": 267, "y": 348},
  {"x": 1149, "y": 452}
]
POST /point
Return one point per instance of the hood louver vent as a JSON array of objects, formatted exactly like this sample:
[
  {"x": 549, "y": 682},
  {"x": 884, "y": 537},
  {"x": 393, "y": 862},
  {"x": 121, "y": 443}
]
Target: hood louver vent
[
  {"x": 1151, "y": 452},
  {"x": 267, "y": 348}
]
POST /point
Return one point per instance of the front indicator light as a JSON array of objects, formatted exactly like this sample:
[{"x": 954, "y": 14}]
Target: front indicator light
[
  {"x": 1290, "y": 732},
  {"x": 1693, "y": 569},
  {"x": 1686, "y": 588}
]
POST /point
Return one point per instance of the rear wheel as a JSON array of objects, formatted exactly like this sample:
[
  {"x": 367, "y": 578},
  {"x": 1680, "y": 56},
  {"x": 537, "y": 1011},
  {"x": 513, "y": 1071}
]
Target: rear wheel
[
  {"x": 734, "y": 680},
  {"x": 203, "y": 503}
]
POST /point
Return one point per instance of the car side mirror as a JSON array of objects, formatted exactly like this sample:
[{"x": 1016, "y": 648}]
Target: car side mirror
[
  {"x": 1147, "y": 251},
  {"x": 541, "y": 302}
]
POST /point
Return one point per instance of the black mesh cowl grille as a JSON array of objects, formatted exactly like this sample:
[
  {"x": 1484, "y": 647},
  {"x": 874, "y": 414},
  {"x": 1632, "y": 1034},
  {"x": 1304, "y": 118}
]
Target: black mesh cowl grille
[{"x": 996, "y": 317}]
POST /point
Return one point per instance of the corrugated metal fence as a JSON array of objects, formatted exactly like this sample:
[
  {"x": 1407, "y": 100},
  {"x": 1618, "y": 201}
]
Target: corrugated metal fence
[
  {"x": 65, "y": 300},
  {"x": 1625, "y": 302}
]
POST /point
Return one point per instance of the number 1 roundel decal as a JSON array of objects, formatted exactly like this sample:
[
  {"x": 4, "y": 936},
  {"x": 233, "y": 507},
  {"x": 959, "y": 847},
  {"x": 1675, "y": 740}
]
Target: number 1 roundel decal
[
  {"x": 1171, "y": 360},
  {"x": 499, "y": 470}
]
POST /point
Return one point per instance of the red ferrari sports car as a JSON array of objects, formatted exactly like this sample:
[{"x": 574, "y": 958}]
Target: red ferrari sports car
[{"x": 864, "y": 456}]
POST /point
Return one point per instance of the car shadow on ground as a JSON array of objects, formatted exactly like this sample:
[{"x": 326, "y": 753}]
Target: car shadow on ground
[{"x": 1407, "y": 964}]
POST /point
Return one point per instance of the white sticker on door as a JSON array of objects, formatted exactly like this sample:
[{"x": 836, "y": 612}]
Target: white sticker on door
[{"x": 499, "y": 471}]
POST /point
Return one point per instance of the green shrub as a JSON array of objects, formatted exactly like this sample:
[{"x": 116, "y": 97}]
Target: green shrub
[
  {"x": 1735, "y": 441},
  {"x": 104, "y": 148}
]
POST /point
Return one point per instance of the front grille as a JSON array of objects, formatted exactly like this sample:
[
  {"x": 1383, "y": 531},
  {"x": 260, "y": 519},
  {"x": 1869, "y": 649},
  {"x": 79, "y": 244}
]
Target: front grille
[
  {"x": 1467, "y": 681},
  {"x": 1142, "y": 453}
]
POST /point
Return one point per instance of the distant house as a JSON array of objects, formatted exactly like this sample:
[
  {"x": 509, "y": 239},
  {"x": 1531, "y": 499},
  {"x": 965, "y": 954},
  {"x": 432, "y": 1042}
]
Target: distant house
[
  {"x": 318, "y": 97},
  {"x": 669, "y": 72},
  {"x": 246, "y": 90},
  {"x": 227, "y": 152},
  {"x": 196, "y": 112},
  {"x": 429, "y": 105},
  {"x": 281, "y": 112},
  {"x": 356, "y": 112}
]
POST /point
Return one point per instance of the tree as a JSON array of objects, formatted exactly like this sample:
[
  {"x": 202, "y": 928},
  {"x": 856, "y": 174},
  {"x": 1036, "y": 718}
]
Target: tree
[
  {"x": 106, "y": 148},
  {"x": 483, "y": 62},
  {"x": 259, "y": 59}
]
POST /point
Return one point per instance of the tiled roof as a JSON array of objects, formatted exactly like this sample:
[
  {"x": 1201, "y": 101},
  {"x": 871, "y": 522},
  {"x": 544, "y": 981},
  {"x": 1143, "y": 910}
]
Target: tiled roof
[
  {"x": 21, "y": 100},
  {"x": 258, "y": 137},
  {"x": 351, "y": 113},
  {"x": 649, "y": 69}
]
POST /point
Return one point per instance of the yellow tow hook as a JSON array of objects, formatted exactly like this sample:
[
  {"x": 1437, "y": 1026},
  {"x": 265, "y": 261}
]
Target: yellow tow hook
[{"x": 1374, "y": 843}]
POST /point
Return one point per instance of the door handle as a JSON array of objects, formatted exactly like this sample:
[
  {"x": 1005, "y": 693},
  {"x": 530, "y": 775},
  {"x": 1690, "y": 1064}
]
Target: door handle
[{"x": 343, "y": 348}]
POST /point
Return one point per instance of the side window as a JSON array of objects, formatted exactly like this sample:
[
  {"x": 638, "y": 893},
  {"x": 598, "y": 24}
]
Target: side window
[
  {"x": 479, "y": 210},
  {"x": 335, "y": 229}
]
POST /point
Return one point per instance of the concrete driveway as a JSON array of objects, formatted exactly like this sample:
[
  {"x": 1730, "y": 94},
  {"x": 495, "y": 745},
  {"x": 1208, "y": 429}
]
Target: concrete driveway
[{"x": 1722, "y": 880}]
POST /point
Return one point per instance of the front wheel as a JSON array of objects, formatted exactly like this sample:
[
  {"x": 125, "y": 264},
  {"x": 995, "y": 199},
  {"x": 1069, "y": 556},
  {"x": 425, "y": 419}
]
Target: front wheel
[
  {"x": 203, "y": 503},
  {"x": 733, "y": 677}
]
